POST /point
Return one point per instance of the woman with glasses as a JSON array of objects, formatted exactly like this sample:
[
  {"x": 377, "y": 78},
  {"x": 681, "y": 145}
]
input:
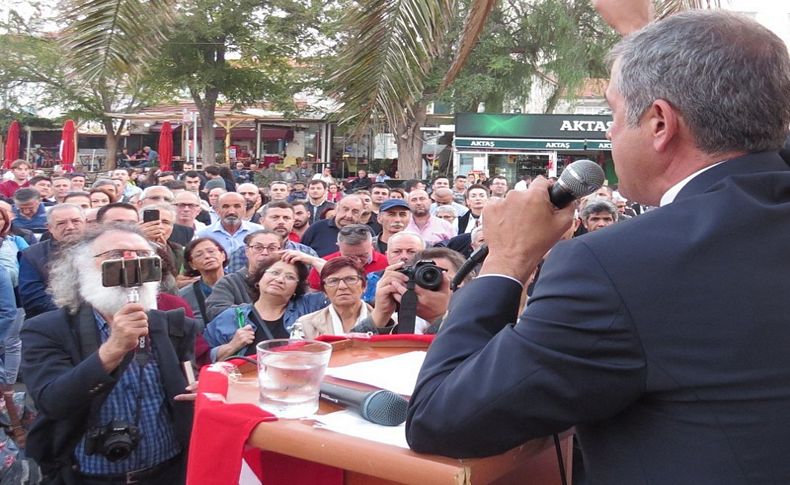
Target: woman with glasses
[
  {"x": 205, "y": 258},
  {"x": 343, "y": 281},
  {"x": 278, "y": 291}
]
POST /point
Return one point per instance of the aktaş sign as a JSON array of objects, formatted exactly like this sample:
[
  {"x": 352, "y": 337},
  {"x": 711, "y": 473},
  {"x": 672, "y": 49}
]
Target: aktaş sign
[
  {"x": 520, "y": 144},
  {"x": 585, "y": 125},
  {"x": 500, "y": 125}
]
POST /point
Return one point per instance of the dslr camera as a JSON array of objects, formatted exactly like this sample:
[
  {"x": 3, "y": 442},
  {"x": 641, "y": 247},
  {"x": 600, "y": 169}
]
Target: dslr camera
[
  {"x": 424, "y": 273},
  {"x": 115, "y": 441}
]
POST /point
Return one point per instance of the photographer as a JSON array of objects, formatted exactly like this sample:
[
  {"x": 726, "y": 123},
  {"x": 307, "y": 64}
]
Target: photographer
[
  {"x": 431, "y": 304},
  {"x": 108, "y": 411}
]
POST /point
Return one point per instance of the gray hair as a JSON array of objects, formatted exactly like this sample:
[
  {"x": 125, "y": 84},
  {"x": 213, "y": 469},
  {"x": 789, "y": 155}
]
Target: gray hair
[
  {"x": 446, "y": 208},
  {"x": 354, "y": 234},
  {"x": 101, "y": 183},
  {"x": 166, "y": 207},
  {"x": 74, "y": 258},
  {"x": 402, "y": 234},
  {"x": 60, "y": 207},
  {"x": 147, "y": 191},
  {"x": 595, "y": 206},
  {"x": 727, "y": 75}
]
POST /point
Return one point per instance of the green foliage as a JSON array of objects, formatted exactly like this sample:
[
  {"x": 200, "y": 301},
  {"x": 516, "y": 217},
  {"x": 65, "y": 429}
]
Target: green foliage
[
  {"x": 241, "y": 50},
  {"x": 388, "y": 55},
  {"x": 561, "y": 41}
]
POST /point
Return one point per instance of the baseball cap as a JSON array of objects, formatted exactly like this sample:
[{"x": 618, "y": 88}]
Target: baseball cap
[{"x": 393, "y": 203}]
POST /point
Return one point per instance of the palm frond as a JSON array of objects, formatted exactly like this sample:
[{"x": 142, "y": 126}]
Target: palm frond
[
  {"x": 110, "y": 38},
  {"x": 665, "y": 8},
  {"x": 473, "y": 27},
  {"x": 387, "y": 57}
]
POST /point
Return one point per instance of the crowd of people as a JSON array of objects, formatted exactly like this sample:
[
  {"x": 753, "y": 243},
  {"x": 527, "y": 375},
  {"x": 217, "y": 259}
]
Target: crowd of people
[
  {"x": 246, "y": 255},
  {"x": 671, "y": 372}
]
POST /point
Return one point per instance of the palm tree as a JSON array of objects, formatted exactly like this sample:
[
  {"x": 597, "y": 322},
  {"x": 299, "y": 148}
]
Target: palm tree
[{"x": 393, "y": 45}]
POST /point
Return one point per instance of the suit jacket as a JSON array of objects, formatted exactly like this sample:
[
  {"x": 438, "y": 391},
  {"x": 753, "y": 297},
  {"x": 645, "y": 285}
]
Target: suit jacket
[
  {"x": 664, "y": 339},
  {"x": 63, "y": 384},
  {"x": 34, "y": 277}
]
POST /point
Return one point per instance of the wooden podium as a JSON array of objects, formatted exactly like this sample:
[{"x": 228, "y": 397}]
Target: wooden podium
[{"x": 369, "y": 462}]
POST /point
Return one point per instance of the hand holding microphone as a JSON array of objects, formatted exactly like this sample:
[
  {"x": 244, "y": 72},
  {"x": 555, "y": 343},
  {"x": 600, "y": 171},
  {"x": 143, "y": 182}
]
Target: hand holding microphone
[{"x": 520, "y": 229}]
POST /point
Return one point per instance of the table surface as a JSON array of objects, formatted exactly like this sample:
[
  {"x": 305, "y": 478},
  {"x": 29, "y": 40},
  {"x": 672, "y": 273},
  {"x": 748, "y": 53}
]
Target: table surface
[{"x": 300, "y": 439}]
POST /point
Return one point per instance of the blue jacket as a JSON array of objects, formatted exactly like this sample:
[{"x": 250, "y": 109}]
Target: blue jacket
[
  {"x": 37, "y": 223},
  {"x": 34, "y": 277},
  {"x": 7, "y": 302},
  {"x": 221, "y": 330}
]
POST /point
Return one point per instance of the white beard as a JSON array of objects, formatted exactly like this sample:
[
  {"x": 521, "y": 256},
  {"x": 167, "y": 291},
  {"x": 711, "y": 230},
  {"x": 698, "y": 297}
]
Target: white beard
[{"x": 108, "y": 301}]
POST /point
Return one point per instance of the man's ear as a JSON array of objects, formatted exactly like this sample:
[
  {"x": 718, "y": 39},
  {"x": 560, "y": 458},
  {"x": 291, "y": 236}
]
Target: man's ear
[{"x": 663, "y": 121}]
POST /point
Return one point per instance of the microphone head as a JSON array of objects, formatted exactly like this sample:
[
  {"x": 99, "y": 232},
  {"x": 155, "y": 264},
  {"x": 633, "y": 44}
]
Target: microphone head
[
  {"x": 385, "y": 408},
  {"x": 582, "y": 177}
]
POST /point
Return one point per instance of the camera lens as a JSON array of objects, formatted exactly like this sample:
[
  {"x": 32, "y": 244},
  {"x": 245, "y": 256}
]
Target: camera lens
[
  {"x": 429, "y": 277},
  {"x": 118, "y": 447}
]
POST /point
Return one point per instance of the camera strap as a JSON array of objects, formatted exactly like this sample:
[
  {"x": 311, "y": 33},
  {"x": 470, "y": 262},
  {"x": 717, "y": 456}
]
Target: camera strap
[{"x": 407, "y": 311}]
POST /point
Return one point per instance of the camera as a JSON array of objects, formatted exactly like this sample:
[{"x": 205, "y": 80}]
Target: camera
[
  {"x": 115, "y": 441},
  {"x": 425, "y": 274}
]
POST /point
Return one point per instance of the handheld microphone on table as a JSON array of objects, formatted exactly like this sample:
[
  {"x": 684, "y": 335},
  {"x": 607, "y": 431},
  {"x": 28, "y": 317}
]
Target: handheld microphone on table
[
  {"x": 380, "y": 407},
  {"x": 131, "y": 274},
  {"x": 580, "y": 178}
]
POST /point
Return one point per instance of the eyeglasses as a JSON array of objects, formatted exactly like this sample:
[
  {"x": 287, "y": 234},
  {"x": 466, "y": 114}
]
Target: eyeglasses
[
  {"x": 289, "y": 277},
  {"x": 260, "y": 248},
  {"x": 360, "y": 230},
  {"x": 181, "y": 205},
  {"x": 126, "y": 253},
  {"x": 348, "y": 280}
]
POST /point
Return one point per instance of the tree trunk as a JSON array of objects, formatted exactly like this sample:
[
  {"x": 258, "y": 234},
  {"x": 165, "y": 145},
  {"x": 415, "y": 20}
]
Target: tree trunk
[
  {"x": 408, "y": 137},
  {"x": 206, "y": 105},
  {"x": 110, "y": 144}
]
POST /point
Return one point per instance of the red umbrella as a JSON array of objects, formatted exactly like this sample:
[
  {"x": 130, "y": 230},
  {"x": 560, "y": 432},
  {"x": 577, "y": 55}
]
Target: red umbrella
[
  {"x": 67, "y": 148},
  {"x": 11, "y": 144},
  {"x": 166, "y": 147}
]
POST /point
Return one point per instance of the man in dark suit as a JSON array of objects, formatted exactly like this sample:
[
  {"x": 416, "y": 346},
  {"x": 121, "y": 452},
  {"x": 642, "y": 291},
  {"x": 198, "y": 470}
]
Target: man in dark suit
[
  {"x": 663, "y": 339},
  {"x": 91, "y": 383}
]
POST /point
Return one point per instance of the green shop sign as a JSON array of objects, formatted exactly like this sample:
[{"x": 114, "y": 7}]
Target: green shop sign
[
  {"x": 492, "y": 143},
  {"x": 492, "y": 125},
  {"x": 599, "y": 145}
]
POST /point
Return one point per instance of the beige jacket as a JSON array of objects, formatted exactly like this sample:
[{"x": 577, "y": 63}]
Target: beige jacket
[{"x": 320, "y": 322}]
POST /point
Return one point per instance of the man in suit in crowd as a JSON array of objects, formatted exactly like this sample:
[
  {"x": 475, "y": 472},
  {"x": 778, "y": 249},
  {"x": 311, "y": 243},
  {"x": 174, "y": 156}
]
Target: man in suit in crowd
[{"x": 671, "y": 368}]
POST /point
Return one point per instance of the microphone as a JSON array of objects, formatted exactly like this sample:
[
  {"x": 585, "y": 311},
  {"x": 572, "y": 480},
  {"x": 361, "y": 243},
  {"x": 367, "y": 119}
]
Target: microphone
[
  {"x": 580, "y": 178},
  {"x": 380, "y": 407}
]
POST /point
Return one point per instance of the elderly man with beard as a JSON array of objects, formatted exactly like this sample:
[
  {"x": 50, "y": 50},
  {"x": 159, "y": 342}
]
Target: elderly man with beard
[
  {"x": 322, "y": 234},
  {"x": 432, "y": 229},
  {"x": 231, "y": 229},
  {"x": 90, "y": 382}
]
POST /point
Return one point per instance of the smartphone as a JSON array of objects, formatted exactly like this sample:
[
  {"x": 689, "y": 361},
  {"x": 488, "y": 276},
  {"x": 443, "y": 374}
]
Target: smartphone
[
  {"x": 150, "y": 215},
  {"x": 130, "y": 273}
]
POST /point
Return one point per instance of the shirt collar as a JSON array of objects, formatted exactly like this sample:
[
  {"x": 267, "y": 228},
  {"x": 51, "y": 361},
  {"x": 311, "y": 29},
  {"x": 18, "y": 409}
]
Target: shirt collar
[
  {"x": 337, "y": 324},
  {"x": 669, "y": 195}
]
